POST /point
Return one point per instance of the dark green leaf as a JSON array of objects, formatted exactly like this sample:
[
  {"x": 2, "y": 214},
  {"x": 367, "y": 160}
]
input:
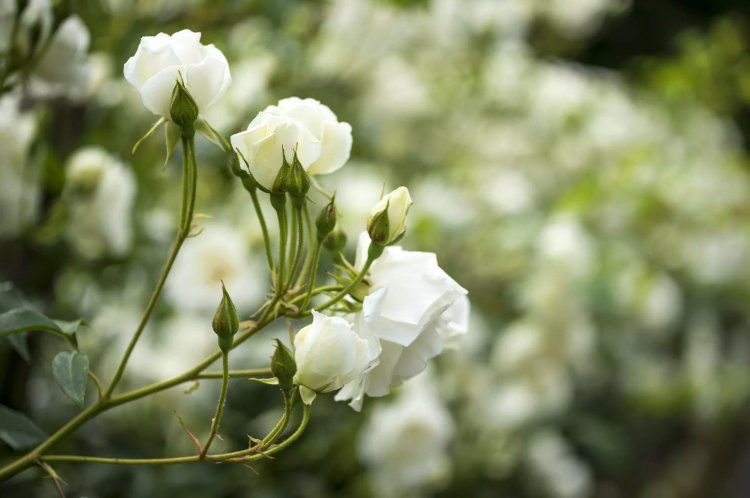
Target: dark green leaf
[
  {"x": 24, "y": 320},
  {"x": 17, "y": 430},
  {"x": 20, "y": 344},
  {"x": 71, "y": 370}
]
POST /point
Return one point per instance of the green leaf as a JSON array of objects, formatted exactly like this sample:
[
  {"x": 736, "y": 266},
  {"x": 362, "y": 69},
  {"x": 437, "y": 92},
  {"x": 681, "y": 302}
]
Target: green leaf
[
  {"x": 18, "y": 431},
  {"x": 25, "y": 320},
  {"x": 71, "y": 370},
  {"x": 211, "y": 134},
  {"x": 172, "y": 134},
  {"x": 148, "y": 134},
  {"x": 20, "y": 344}
]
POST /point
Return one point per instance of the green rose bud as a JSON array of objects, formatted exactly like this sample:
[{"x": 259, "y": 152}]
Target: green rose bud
[
  {"x": 183, "y": 110},
  {"x": 226, "y": 323},
  {"x": 283, "y": 366},
  {"x": 326, "y": 220}
]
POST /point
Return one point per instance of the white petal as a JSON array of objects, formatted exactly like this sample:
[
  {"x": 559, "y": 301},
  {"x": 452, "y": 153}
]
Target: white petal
[
  {"x": 205, "y": 81},
  {"x": 336, "y": 147},
  {"x": 156, "y": 93}
]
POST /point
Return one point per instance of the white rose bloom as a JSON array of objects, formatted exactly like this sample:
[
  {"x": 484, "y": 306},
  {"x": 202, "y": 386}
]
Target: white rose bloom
[
  {"x": 406, "y": 312},
  {"x": 405, "y": 442},
  {"x": 219, "y": 253},
  {"x": 397, "y": 203},
  {"x": 100, "y": 191},
  {"x": 19, "y": 189},
  {"x": 154, "y": 69},
  {"x": 335, "y": 137},
  {"x": 329, "y": 354},
  {"x": 260, "y": 146},
  {"x": 64, "y": 67}
]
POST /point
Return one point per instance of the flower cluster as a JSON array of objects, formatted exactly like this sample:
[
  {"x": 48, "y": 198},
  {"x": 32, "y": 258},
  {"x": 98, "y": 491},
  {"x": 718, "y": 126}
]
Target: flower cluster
[{"x": 394, "y": 309}]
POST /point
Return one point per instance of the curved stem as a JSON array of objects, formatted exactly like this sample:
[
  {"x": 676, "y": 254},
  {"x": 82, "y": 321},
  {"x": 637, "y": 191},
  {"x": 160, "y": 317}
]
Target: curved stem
[
  {"x": 263, "y": 227},
  {"x": 236, "y": 456},
  {"x": 189, "y": 173},
  {"x": 220, "y": 405},
  {"x": 346, "y": 290}
]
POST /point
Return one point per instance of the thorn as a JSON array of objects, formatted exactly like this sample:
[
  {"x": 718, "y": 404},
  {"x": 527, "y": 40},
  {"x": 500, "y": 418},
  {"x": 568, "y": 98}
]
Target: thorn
[{"x": 189, "y": 434}]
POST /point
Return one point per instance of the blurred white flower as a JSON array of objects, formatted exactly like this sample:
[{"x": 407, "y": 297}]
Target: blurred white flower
[
  {"x": 405, "y": 442},
  {"x": 99, "y": 191},
  {"x": 64, "y": 68},
  {"x": 406, "y": 311},
  {"x": 34, "y": 26},
  {"x": 219, "y": 253},
  {"x": 335, "y": 137},
  {"x": 559, "y": 472},
  {"x": 239, "y": 100},
  {"x": 387, "y": 222},
  {"x": 154, "y": 69},
  {"x": 19, "y": 189},
  {"x": 329, "y": 354}
]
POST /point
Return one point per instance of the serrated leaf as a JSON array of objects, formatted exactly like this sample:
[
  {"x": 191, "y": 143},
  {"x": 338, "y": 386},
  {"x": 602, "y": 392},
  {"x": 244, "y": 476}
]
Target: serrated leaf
[
  {"x": 21, "y": 320},
  {"x": 18, "y": 431},
  {"x": 71, "y": 370}
]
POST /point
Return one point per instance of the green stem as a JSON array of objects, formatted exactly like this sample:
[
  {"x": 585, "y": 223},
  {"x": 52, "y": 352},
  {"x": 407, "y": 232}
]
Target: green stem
[
  {"x": 372, "y": 254},
  {"x": 263, "y": 227},
  {"x": 313, "y": 274},
  {"x": 300, "y": 240},
  {"x": 278, "y": 201},
  {"x": 220, "y": 405},
  {"x": 312, "y": 240},
  {"x": 233, "y": 374},
  {"x": 189, "y": 173},
  {"x": 247, "y": 455}
]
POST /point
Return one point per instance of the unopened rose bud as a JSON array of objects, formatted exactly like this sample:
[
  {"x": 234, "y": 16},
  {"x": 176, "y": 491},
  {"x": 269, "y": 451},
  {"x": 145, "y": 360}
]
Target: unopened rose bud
[
  {"x": 326, "y": 220},
  {"x": 335, "y": 242},
  {"x": 387, "y": 222},
  {"x": 183, "y": 110},
  {"x": 283, "y": 366},
  {"x": 297, "y": 182},
  {"x": 226, "y": 323}
]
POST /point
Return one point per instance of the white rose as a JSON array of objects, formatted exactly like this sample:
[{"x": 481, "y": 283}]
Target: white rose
[
  {"x": 407, "y": 311},
  {"x": 221, "y": 253},
  {"x": 100, "y": 191},
  {"x": 260, "y": 146},
  {"x": 63, "y": 68},
  {"x": 154, "y": 68},
  {"x": 397, "y": 204},
  {"x": 329, "y": 354},
  {"x": 335, "y": 137},
  {"x": 405, "y": 443}
]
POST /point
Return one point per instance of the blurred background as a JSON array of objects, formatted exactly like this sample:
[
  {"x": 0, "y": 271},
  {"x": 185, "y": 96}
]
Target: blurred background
[{"x": 580, "y": 166}]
